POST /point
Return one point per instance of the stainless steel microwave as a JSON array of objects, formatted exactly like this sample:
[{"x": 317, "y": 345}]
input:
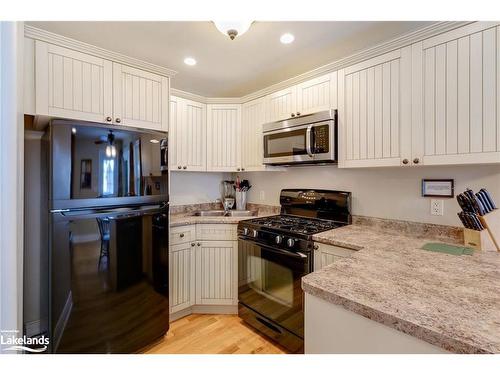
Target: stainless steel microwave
[{"x": 301, "y": 140}]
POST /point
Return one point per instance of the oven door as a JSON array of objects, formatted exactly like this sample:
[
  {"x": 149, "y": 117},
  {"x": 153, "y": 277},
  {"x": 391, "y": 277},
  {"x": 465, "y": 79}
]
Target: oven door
[
  {"x": 269, "y": 283},
  {"x": 301, "y": 144}
]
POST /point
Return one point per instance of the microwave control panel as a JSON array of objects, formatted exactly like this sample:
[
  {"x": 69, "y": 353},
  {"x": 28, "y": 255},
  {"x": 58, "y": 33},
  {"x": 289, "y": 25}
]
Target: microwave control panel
[{"x": 321, "y": 139}]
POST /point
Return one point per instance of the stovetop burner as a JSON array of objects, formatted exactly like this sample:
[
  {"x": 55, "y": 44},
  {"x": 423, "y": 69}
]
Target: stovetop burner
[{"x": 296, "y": 224}]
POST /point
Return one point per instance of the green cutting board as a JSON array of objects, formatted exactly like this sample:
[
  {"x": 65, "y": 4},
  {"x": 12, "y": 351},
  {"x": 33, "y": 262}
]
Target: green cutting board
[{"x": 447, "y": 249}]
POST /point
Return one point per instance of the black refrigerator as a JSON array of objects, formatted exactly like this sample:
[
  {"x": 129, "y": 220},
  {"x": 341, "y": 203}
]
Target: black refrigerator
[{"x": 108, "y": 247}]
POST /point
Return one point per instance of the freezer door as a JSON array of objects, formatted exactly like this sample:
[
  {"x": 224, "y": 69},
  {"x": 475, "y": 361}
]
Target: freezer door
[{"x": 109, "y": 279}]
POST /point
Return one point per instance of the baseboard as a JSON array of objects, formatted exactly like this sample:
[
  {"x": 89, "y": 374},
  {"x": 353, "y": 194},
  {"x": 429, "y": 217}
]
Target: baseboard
[
  {"x": 62, "y": 321},
  {"x": 204, "y": 309}
]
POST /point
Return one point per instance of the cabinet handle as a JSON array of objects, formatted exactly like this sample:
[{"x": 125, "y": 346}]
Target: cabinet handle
[
  {"x": 293, "y": 115},
  {"x": 109, "y": 119},
  {"x": 198, "y": 244},
  {"x": 184, "y": 167},
  {"x": 415, "y": 161},
  {"x": 192, "y": 243},
  {"x": 298, "y": 113},
  {"x": 405, "y": 161},
  {"x": 315, "y": 247},
  {"x": 242, "y": 169},
  {"x": 118, "y": 120},
  {"x": 179, "y": 167},
  {"x": 238, "y": 169},
  {"x": 181, "y": 235}
]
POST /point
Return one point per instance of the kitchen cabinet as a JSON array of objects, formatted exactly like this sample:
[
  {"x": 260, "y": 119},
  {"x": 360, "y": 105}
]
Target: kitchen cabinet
[
  {"x": 328, "y": 254},
  {"x": 72, "y": 85},
  {"x": 253, "y": 117},
  {"x": 374, "y": 115},
  {"x": 79, "y": 86},
  {"x": 140, "y": 99},
  {"x": 224, "y": 137},
  {"x": 216, "y": 273},
  {"x": 187, "y": 135},
  {"x": 182, "y": 276},
  {"x": 456, "y": 96},
  {"x": 281, "y": 104},
  {"x": 318, "y": 94}
]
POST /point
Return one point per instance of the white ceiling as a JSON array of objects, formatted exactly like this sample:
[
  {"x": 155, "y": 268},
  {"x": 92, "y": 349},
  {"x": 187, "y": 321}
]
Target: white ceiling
[{"x": 228, "y": 68}]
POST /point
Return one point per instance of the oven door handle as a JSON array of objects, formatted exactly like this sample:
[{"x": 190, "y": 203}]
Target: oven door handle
[
  {"x": 309, "y": 141},
  {"x": 276, "y": 250}
]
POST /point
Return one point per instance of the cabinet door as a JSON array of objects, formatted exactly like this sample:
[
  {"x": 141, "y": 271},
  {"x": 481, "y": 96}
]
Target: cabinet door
[
  {"x": 72, "y": 85},
  {"x": 458, "y": 99},
  {"x": 140, "y": 99},
  {"x": 187, "y": 135},
  {"x": 217, "y": 273},
  {"x": 281, "y": 104},
  {"x": 327, "y": 254},
  {"x": 252, "y": 142},
  {"x": 375, "y": 111},
  {"x": 224, "y": 137},
  {"x": 318, "y": 94},
  {"x": 182, "y": 276}
]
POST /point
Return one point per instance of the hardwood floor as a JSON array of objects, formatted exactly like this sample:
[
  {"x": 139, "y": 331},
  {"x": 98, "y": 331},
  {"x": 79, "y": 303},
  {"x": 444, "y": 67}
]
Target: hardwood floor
[{"x": 212, "y": 334}]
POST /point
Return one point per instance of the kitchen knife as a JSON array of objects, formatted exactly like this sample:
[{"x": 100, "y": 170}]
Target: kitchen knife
[
  {"x": 484, "y": 202},
  {"x": 476, "y": 204},
  {"x": 489, "y": 198},
  {"x": 462, "y": 202},
  {"x": 475, "y": 222},
  {"x": 462, "y": 219}
]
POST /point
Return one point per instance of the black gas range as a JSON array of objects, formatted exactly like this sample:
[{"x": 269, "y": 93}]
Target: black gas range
[{"x": 275, "y": 252}]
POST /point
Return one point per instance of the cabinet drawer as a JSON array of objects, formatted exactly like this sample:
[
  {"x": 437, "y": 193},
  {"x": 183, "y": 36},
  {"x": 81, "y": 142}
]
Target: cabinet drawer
[
  {"x": 186, "y": 233},
  {"x": 216, "y": 232}
]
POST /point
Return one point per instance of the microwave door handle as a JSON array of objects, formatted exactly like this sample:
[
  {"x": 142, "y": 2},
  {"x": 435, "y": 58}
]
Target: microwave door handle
[{"x": 308, "y": 141}]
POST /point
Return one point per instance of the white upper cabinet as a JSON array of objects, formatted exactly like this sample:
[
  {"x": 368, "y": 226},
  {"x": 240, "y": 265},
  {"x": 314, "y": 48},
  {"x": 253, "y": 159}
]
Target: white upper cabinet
[
  {"x": 224, "y": 137},
  {"x": 187, "y": 135},
  {"x": 318, "y": 94},
  {"x": 375, "y": 111},
  {"x": 457, "y": 101},
  {"x": 140, "y": 99},
  {"x": 73, "y": 85},
  {"x": 253, "y": 118},
  {"x": 79, "y": 86},
  {"x": 281, "y": 104}
]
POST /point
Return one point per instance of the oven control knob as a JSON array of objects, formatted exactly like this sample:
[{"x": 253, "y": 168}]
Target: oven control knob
[
  {"x": 254, "y": 233},
  {"x": 290, "y": 242},
  {"x": 245, "y": 231},
  {"x": 278, "y": 239}
]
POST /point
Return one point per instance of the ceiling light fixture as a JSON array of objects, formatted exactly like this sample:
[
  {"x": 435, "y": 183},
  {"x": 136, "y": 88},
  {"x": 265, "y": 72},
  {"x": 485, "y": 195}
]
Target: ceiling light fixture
[
  {"x": 233, "y": 28},
  {"x": 287, "y": 38},
  {"x": 190, "y": 61},
  {"x": 154, "y": 141}
]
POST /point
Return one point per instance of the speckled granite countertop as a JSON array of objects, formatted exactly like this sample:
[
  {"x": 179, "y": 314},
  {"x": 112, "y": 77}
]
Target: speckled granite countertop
[{"x": 447, "y": 300}]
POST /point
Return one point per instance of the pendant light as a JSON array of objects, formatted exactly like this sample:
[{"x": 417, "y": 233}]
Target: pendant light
[{"x": 233, "y": 28}]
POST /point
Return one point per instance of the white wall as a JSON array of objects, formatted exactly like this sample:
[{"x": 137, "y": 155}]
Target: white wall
[
  {"x": 393, "y": 193},
  {"x": 195, "y": 187}
]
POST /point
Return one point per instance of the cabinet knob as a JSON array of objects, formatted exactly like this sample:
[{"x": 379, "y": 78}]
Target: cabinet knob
[
  {"x": 117, "y": 120},
  {"x": 198, "y": 244},
  {"x": 293, "y": 115},
  {"x": 109, "y": 119},
  {"x": 238, "y": 169},
  {"x": 184, "y": 167},
  {"x": 405, "y": 161},
  {"x": 298, "y": 113},
  {"x": 315, "y": 247},
  {"x": 181, "y": 235},
  {"x": 416, "y": 160},
  {"x": 179, "y": 167},
  {"x": 242, "y": 169},
  {"x": 192, "y": 243}
]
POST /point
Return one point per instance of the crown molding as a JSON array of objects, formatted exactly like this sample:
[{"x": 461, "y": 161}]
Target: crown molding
[
  {"x": 203, "y": 99},
  {"x": 49, "y": 37}
]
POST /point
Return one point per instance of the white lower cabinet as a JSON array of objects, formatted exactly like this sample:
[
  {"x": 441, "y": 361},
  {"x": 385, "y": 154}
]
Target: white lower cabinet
[
  {"x": 203, "y": 271},
  {"x": 328, "y": 254}
]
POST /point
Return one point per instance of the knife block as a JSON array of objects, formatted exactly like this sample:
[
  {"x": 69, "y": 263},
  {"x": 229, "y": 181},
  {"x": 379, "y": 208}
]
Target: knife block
[
  {"x": 491, "y": 221},
  {"x": 478, "y": 240}
]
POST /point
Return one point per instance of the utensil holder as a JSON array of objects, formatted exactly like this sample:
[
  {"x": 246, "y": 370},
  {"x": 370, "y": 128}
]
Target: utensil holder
[
  {"x": 241, "y": 200},
  {"x": 479, "y": 240}
]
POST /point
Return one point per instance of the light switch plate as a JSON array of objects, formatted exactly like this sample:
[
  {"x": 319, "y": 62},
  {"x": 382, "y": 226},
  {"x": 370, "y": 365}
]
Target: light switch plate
[{"x": 437, "y": 207}]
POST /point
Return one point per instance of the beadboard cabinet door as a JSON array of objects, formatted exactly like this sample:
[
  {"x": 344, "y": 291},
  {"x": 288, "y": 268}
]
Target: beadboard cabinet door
[
  {"x": 325, "y": 255},
  {"x": 72, "y": 85},
  {"x": 140, "y": 99},
  {"x": 217, "y": 273},
  {"x": 182, "y": 276},
  {"x": 253, "y": 117},
  {"x": 224, "y": 137},
  {"x": 187, "y": 135},
  {"x": 458, "y": 100},
  {"x": 318, "y": 94},
  {"x": 281, "y": 104},
  {"x": 375, "y": 111}
]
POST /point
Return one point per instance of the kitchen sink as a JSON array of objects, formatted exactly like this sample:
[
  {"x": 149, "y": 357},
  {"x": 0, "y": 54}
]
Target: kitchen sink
[{"x": 234, "y": 213}]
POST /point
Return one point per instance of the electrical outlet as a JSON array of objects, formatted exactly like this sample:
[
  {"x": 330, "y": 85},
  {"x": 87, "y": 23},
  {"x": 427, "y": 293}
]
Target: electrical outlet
[
  {"x": 262, "y": 196},
  {"x": 437, "y": 207}
]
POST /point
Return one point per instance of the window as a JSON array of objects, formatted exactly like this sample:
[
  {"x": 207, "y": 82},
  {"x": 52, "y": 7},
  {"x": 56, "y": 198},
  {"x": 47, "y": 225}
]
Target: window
[{"x": 108, "y": 166}]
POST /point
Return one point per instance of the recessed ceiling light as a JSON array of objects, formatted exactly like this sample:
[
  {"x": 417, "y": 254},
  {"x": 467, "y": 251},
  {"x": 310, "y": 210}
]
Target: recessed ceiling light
[
  {"x": 189, "y": 61},
  {"x": 154, "y": 141},
  {"x": 287, "y": 38}
]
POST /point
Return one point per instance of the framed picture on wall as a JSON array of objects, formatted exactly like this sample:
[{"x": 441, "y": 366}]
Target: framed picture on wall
[
  {"x": 443, "y": 188},
  {"x": 86, "y": 174}
]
